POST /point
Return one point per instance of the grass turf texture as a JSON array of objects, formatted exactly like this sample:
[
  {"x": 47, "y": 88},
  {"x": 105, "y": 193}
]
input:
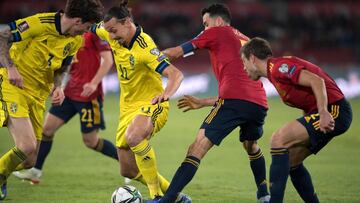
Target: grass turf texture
[{"x": 73, "y": 173}]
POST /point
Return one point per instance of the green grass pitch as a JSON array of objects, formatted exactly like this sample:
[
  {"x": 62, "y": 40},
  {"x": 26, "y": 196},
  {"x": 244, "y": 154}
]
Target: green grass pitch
[{"x": 73, "y": 173}]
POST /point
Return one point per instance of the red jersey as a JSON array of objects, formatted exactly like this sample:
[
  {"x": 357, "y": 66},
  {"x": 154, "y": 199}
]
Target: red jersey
[
  {"x": 284, "y": 73},
  {"x": 84, "y": 67},
  {"x": 224, "y": 45}
]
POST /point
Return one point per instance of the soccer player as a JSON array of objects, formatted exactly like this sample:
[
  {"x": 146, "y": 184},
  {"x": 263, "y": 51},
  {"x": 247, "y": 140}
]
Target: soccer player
[
  {"x": 241, "y": 101},
  {"x": 327, "y": 114},
  {"x": 144, "y": 103},
  {"x": 83, "y": 95},
  {"x": 34, "y": 52}
]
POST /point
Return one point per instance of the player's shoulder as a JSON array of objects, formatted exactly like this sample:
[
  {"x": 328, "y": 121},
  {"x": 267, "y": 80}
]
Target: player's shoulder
[
  {"x": 49, "y": 21},
  {"x": 144, "y": 40}
]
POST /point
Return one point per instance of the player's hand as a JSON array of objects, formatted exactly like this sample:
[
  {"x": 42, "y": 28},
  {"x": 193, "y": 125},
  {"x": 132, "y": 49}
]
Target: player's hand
[
  {"x": 327, "y": 122},
  {"x": 14, "y": 77},
  {"x": 88, "y": 89},
  {"x": 189, "y": 103},
  {"x": 57, "y": 96},
  {"x": 160, "y": 98}
]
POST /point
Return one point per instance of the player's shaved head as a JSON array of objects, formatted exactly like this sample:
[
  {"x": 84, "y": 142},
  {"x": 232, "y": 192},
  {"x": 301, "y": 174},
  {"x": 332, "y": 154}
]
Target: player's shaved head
[
  {"x": 218, "y": 10},
  {"x": 88, "y": 10},
  {"x": 258, "y": 47}
]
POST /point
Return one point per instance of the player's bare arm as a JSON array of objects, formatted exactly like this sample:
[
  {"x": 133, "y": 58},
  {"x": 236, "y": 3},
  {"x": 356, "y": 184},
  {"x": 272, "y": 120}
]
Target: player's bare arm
[
  {"x": 173, "y": 52},
  {"x": 61, "y": 77},
  {"x": 317, "y": 85},
  {"x": 6, "y": 40},
  {"x": 175, "y": 78},
  {"x": 188, "y": 102},
  {"x": 105, "y": 67}
]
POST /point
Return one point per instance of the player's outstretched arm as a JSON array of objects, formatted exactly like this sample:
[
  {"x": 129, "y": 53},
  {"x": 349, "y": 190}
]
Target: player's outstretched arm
[
  {"x": 190, "y": 102},
  {"x": 317, "y": 85},
  {"x": 175, "y": 78},
  {"x": 6, "y": 40},
  {"x": 173, "y": 52},
  {"x": 104, "y": 68}
]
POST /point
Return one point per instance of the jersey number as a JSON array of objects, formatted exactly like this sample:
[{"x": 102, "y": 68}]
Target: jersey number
[
  {"x": 86, "y": 115},
  {"x": 124, "y": 73},
  {"x": 49, "y": 60}
]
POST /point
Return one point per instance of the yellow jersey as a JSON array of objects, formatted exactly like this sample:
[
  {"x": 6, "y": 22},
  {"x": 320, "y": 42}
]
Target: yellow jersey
[
  {"x": 139, "y": 67},
  {"x": 39, "y": 48}
]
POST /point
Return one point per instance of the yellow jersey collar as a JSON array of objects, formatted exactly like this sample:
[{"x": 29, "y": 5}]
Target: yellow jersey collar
[
  {"x": 57, "y": 21},
  {"x": 137, "y": 33}
]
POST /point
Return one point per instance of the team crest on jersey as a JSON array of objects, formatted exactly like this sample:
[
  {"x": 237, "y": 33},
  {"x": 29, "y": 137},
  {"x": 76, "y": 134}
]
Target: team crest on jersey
[
  {"x": 155, "y": 51},
  {"x": 67, "y": 48},
  {"x": 23, "y": 26},
  {"x": 284, "y": 68},
  {"x": 13, "y": 107},
  {"x": 132, "y": 61}
]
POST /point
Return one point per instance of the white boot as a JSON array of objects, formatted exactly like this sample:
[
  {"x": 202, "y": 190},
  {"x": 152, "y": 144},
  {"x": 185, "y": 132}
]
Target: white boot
[{"x": 33, "y": 175}]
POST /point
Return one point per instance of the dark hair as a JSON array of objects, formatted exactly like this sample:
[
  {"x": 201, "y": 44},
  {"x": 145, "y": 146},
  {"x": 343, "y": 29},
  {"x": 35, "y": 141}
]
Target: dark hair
[
  {"x": 257, "y": 46},
  {"x": 87, "y": 10},
  {"x": 218, "y": 10},
  {"x": 118, "y": 12}
]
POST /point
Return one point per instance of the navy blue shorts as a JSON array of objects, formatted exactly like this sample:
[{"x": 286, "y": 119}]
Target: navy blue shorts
[
  {"x": 91, "y": 113},
  {"x": 342, "y": 114},
  {"x": 229, "y": 114}
]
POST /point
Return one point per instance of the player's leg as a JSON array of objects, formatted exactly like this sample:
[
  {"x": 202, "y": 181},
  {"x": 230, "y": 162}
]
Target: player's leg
[
  {"x": 258, "y": 168},
  {"x": 251, "y": 130},
  {"x": 188, "y": 167},
  {"x": 91, "y": 120},
  {"x": 292, "y": 134},
  {"x": 300, "y": 177},
  {"x": 104, "y": 146},
  {"x": 54, "y": 119},
  {"x": 25, "y": 144},
  {"x": 137, "y": 136}
]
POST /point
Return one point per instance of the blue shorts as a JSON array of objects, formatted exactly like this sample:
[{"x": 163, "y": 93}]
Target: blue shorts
[
  {"x": 342, "y": 114},
  {"x": 229, "y": 114},
  {"x": 91, "y": 113}
]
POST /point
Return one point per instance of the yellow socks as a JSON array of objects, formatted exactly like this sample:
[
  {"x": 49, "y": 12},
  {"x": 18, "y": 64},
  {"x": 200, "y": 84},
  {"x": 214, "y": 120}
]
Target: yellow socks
[
  {"x": 164, "y": 184},
  {"x": 146, "y": 162},
  {"x": 9, "y": 161}
]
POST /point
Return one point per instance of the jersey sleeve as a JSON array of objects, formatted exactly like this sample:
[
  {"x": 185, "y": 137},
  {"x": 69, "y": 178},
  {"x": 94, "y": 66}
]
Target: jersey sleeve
[
  {"x": 205, "y": 39},
  {"x": 100, "y": 31},
  {"x": 288, "y": 71},
  {"x": 154, "y": 58},
  {"x": 26, "y": 28}
]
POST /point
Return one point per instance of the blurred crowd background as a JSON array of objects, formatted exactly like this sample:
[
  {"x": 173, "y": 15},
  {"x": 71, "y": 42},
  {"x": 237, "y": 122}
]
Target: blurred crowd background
[{"x": 325, "y": 32}]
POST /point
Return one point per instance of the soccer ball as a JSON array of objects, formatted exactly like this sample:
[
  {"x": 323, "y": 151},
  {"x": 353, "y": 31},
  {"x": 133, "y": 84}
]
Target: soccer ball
[{"x": 126, "y": 194}]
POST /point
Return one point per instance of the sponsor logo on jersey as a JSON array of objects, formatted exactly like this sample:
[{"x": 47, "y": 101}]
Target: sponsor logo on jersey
[{"x": 23, "y": 26}]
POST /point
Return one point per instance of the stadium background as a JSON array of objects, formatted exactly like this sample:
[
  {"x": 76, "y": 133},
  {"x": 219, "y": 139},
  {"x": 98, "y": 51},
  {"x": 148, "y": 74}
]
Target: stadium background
[{"x": 324, "y": 32}]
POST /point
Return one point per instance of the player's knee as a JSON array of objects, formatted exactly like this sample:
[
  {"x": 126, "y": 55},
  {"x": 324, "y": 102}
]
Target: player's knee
[
  {"x": 48, "y": 133},
  {"x": 28, "y": 147},
  {"x": 277, "y": 140},
  {"x": 127, "y": 173},
  {"x": 90, "y": 141},
  {"x": 251, "y": 146},
  {"x": 134, "y": 137}
]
